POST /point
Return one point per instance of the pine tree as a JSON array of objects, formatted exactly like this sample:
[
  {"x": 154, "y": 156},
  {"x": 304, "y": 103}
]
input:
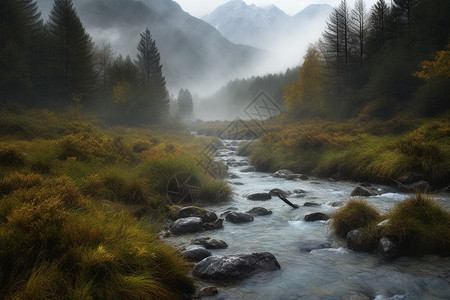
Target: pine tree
[
  {"x": 359, "y": 25},
  {"x": 72, "y": 66},
  {"x": 148, "y": 62},
  {"x": 19, "y": 24},
  {"x": 378, "y": 24}
]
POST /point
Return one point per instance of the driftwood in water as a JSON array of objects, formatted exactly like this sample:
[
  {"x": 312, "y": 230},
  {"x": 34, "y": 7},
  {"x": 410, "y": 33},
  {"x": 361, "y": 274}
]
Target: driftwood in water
[{"x": 282, "y": 197}]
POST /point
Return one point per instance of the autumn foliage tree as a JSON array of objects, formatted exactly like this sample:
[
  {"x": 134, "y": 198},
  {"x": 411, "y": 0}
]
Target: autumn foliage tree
[{"x": 306, "y": 97}]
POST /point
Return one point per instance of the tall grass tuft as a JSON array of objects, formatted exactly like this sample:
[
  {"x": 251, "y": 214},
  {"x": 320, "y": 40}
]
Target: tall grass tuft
[
  {"x": 355, "y": 214},
  {"x": 420, "y": 226}
]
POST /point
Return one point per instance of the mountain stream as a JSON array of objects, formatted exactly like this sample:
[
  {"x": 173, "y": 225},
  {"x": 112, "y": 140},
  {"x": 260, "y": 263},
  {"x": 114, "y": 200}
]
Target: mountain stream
[{"x": 315, "y": 264}]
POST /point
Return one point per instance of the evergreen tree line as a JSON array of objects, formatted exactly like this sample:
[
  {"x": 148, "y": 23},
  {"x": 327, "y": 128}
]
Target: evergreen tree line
[
  {"x": 367, "y": 62},
  {"x": 55, "y": 64}
]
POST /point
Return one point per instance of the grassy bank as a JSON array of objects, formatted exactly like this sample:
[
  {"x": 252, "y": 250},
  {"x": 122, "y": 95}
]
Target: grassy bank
[
  {"x": 375, "y": 151},
  {"x": 81, "y": 206},
  {"x": 417, "y": 225}
]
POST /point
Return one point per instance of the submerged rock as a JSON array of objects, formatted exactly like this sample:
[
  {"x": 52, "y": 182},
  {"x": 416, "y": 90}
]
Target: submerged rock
[
  {"x": 297, "y": 176},
  {"x": 210, "y": 243},
  {"x": 248, "y": 170},
  {"x": 235, "y": 267},
  {"x": 358, "y": 241},
  {"x": 318, "y": 216},
  {"x": 310, "y": 204},
  {"x": 197, "y": 253},
  {"x": 259, "y": 197},
  {"x": 259, "y": 211},
  {"x": 187, "y": 225},
  {"x": 239, "y": 217}
]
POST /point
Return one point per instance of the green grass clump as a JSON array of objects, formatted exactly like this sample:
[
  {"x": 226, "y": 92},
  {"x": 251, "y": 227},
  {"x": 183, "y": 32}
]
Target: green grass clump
[
  {"x": 420, "y": 226},
  {"x": 355, "y": 214}
]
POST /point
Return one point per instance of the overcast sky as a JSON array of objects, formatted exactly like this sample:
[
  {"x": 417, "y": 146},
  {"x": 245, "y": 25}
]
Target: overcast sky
[{"x": 199, "y": 8}]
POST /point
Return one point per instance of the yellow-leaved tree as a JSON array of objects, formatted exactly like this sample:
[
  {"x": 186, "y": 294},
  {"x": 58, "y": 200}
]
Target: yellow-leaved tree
[
  {"x": 306, "y": 97},
  {"x": 434, "y": 95}
]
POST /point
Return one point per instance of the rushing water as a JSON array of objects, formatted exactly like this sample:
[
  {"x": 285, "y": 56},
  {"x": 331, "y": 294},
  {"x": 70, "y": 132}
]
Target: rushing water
[{"x": 314, "y": 263}]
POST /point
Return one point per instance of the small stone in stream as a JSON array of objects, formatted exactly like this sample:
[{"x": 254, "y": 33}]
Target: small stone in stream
[
  {"x": 308, "y": 246},
  {"x": 248, "y": 170},
  {"x": 336, "y": 203},
  {"x": 310, "y": 204},
  {"x": 187, "y": 225},
  {"x": 233, "y": 176},
  {"x": 208, "y": 291},
  {"x": 259, "y": 211},
  {"x": 238, "y": 217},
  {"x": 210, "y": 243},
  {"x": 237, "y": 164},
  {"x": 314, "y": 182},
  {"x": 259, "y": 197},
  {"x": 197, "y": 253},
  {"x": 237, "y": 183},
  {"x": 358, "y": 241},
  {"x": 217, "y": 224},
  {"x": 235, "y": 267},
  {"x": 299, "y": 191},
  {"x": 316, "y": 217}
]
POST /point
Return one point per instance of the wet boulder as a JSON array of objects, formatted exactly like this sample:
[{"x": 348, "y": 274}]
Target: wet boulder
[
  {"x": 209, "y": 243},
  {"x": 196, "y": 253},
  {"x": 248, "y": 170},
  {"x": 318, "y": 216},
  {"x": 235, "y": 267},
  {"x": 239, "y": 217},
  {"x": 310, "y": 204},
  {"x": 194, "y": 211},
  {"x": 282, "y": 173},
  {"x": 187, "y": 225},
  {"x": 259, "y": 197},
  {"x": 259, "y": 211}
]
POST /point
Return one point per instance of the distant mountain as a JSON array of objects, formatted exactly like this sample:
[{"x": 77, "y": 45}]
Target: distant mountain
[
  {"x": 270, "y": 28},
  {"x": 194, "y": 54}
]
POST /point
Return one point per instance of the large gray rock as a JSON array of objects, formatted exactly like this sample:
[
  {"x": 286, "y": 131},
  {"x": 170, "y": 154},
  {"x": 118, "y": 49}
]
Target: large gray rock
[
  {"x": 187, "y": 225},
  {"x": 318, "y": 216},
  {"x": 197, "y": 253},
  {"x": 259, "y": 211},
  {"x": 259, "y": 197},
  {"x": 235, "y": 267},
  {"x": 239, "y": 217},
  {"x": 210, "y": 243},
  {"x": 194, "y": 211}
]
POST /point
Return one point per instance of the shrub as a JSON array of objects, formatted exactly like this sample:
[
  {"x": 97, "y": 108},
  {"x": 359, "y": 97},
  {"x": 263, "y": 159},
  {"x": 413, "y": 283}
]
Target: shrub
[
  {"x": 16, "y": 181},
  {"x": 141, "y": 146},
  {"x": 354, "y": 215},
  {"x": 11, "y": 156},
  {"x": 420, "y": 226},
  {"x": 120, "y": 188},
  {"x": 83, "y": 146}
]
